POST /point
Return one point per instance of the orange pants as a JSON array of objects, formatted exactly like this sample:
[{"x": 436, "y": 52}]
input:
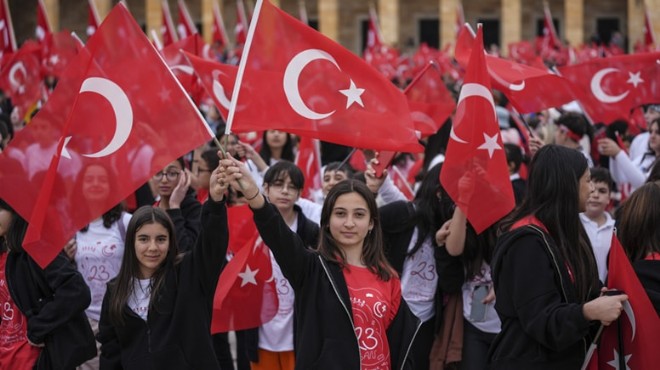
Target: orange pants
[{"x": 274, "y": 361}]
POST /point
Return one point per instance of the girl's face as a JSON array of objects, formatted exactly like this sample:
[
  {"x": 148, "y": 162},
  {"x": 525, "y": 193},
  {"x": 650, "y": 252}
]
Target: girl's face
[
  {"x": 282, "y": 193},
  {"x": 275, "y": 139},
  {"x": 96, "y": 184},
  {"x": 331, "y": 178},
  {"x": 350, "y": 221},
  {"x": 167, "y": 179},
  {"x": 585, "y": 188},
  {"x": 5, "y": 221},
  {"x": 204, "y": 174},
  {"x": 654, "y": 138},
  {"x": 152, "y": 243}
]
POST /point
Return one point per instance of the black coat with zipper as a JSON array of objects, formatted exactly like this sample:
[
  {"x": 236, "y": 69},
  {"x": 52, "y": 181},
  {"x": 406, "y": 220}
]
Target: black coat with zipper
[
  {"x": 325, "y": 338},
  {"x": 177, "y": 332},
  {"x": 543, "y": 326}
]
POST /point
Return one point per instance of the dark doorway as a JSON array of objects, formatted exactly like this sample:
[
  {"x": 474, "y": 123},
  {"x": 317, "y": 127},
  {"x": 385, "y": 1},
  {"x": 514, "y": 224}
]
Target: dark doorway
[
  {"x": 605, "y": 27},
  {"x": 429, "y": 32},
  {"x": 491, "y": 32},
  {"x": 541, "y": 22}
]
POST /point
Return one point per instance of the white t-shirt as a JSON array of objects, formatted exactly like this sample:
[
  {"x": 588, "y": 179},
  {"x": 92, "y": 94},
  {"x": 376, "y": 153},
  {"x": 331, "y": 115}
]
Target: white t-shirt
[
  {"x": 419, "y": 279},
  {"x": 277, "y": 334},
  {"x": 491, "y": 323},
  {"x": 139, "y": 300},
  {"x": 601, "y": 241},
  {"x": 98, "y": 258}
]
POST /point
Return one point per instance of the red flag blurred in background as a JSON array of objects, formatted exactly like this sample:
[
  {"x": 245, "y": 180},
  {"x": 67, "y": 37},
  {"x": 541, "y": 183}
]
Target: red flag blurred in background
[
  {"x": 475, "y": 172},
  {"x": 217, "y": 79},
  {"x": 43, "y": 25},
  {"x": 177, "y": 62},
  {"x": 109, "y": 104},
  {"x": 429, "y": 100},
  {"x": 20, "y": 77},
  {"x": 308, "y": 159}
]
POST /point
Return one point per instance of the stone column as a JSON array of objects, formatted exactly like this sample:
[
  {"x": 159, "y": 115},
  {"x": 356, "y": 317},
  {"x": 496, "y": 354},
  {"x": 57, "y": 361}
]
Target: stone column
[
  {"x": 329, "y": 18},
  {"x": 153, "y": 17},
  {"x": 573, "y": 22},
  {"x": 388, "y": 16},
  {"x": 53, "y": 13},
  {"x": 207, "y": 19},
  {"x": 103, "y": 7},
  {"x": 653, "y": 7},
  {"x": 511, "y": 24},
  {"x": 448, "y": 9}
]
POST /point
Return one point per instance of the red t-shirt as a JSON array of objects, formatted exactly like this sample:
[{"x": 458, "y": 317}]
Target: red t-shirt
[
  {"x": 15, "y": 351},
  {"x": 375, "y": 304}
]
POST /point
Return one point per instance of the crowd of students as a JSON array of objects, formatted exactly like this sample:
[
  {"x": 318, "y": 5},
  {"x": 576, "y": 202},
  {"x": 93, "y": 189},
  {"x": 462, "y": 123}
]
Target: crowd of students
[{"x": 367, "y": 279}]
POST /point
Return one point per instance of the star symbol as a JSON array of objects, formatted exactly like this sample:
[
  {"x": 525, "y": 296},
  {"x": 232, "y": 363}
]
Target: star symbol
[
  {"x": 634, "y": 79},
  {"x": 248, "y": 276},
  {"x": 490, "y": 144},
  {"x": 54, "y": 59},
  {"x": 353, "y": 95},
  {"x": 615, "y": 363},
  {"x": 164, "y": 95}
]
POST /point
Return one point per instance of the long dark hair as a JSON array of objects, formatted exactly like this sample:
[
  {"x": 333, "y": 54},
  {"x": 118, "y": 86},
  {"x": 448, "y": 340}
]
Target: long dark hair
[
  {"x": 130, "y": 266},
  {"x": 373, "y": 255},
  {"x": 639, "y": 218},
  {"x": 13, "y": 239},
  {"x": 287, "y": 150},
  {"x": 553, "y": 197}
]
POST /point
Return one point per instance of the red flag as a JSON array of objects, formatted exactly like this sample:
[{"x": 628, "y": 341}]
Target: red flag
[
  {"x": 308, "y": 160},
  {"x": 550, "y": 38},
  {"x": 311, "y": 86},
  {"x": 374, "y": 38},
  {"x": 93, "y": 19},
  {"x": 20, "y": 77},
  {"x": 43, "y": 24},
  {"x": 58, "y": 50},
  {"x": 167, "y": 30},
  {"x": 429, "y": 100},
  {"x": 401, "y": 183},
  {"x": 186, "y": 27},
  {"x": 608, "y": 88},
  {"x": 460, "y": 16},
  {"x": 246, "y": 295},
  {"x": 241, "y": 29},
  {"x": 217, "y": 79},
  {"x": 180, "y": 66},
  {"x": 475, "y": 171},
  {"x": 109, "y": 105},
  {"x": 639, "y": 322},
  {"x": 218, "y": 30},
  {"x": 7, "y": 38},
  {"x": 649, "y": 35},
  {"x": 529, "y": 89}
]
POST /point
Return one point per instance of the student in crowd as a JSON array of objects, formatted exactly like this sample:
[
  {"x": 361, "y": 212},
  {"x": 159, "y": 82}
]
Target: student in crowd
[
  {"x": 156, "y": 313},
  {"x": 43, "y": 325},
  {"x": 333, "y": 173},
  {"x": 597, "y": 222},
  {"x": 270, "y": 347},
  {"x": 640, "y": 143},
  {"x": 98, "y": 248},
  {"x": 349, "y": 309},
  {"x": 277, "y": 145},
  {"x": 571, "y": 129},
  {"x": 414, "y": 234},
  {"x": 514, "y": 159},
  {"x": 639, "y": 234},
  {"x": 544, "y": 270},
  {"x": 178, "y": 200}
]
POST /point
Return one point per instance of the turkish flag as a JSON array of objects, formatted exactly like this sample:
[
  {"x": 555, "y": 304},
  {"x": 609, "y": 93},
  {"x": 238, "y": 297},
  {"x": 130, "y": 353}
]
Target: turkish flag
[
  {"x": 633, "y": 340},
  {"x": 7, "y": 38},
  {"x": 241, "y": 28},
  {"x": 217, "y": 79},
  {"x": 246, "y": 295},
  {"x": 649, "y": 35},
  {"x": 550, "y": 38},
  {"x": 429, "y": 100},
  {"x": 308, "y": 159},
  {"x": 179, "y": 65},
  {"x": 185, "y": 27},
  {"x": 167, "y": 30},
  {"x": 609, "y": 88},
  {"x": 93, "y": 19},
  {"x": 20, "y": 76},
  {"x": 111, "y": 105},
  {"x": 218, "y": 30},
  {"x": 58, "y": 50},
  {"x": 529, "y": 89},
  {"x": 312, "y": 86},
  {"x": 475, "y": 171},
  {"x": 401, "y": 183},
  {"x": 43, "y": 25}
]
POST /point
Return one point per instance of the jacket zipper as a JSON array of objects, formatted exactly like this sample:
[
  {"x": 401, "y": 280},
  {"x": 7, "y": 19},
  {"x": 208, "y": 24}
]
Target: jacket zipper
[
  {"x": 350, "y": 318},
  {"x": 419, "y": 325}
]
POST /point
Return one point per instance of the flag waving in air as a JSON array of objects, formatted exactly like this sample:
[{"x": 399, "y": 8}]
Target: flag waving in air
[
  {"x": 311, "y": 86},
  {"x": 112, "y": 107},
  {"x": 475, "y": 171},
  {"x": 43, "y": 24}
]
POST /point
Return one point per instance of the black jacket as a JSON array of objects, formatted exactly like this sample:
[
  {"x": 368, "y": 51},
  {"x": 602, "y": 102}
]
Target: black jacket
[
  {"x": 308, "y": 231},
  {"x": 395, "y": 219},
  {"x": 543, "y": 326},
  {"x": 648, "y": 272},
  {"x": 186, "y": 220},
  {"x": 54, "y": 301},
  {"x": 325, "y": 338},
  {"x": 177, "y": 332}
]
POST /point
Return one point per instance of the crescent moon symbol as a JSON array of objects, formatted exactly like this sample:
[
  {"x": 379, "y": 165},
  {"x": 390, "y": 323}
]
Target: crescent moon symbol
[
  {"x": 121, "y": 106},
  {"x": 219, "y": 90},
  {"x": 597, "y": 90},
  {"x": 291, "y": 75},
  {"x": 183, "y": 68},
  {"x": 514, "y": 87},
  {"x": 468, "y": 90},
  {"x": 627, "y": 308},
  {"x": 12, "y": 75}
]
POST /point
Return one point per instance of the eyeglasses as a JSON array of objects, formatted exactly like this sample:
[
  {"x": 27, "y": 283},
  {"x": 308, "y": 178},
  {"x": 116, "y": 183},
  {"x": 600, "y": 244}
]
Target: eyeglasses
[
  {"x": 280, "y": 186},
  {"x": 170, "y": 175}
]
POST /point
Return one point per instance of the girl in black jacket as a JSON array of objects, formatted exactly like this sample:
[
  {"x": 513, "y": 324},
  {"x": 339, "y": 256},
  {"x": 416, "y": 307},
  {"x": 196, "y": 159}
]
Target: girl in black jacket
[
  {"x": 349, "y": 310},
  {"x": 43, "y": 324},
  {"x": 545, "y": 272},
  {"x": 156, "y": 313}
]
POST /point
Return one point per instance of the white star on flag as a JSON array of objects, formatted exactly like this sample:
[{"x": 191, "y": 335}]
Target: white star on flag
[
  {"x": 353, "y": 95},
  {"x": 248, "y": 276},
  {"x": 635, "y": 78},
  {"x": 615, "y": 363},
  {"x": 490, "y": 144}
]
